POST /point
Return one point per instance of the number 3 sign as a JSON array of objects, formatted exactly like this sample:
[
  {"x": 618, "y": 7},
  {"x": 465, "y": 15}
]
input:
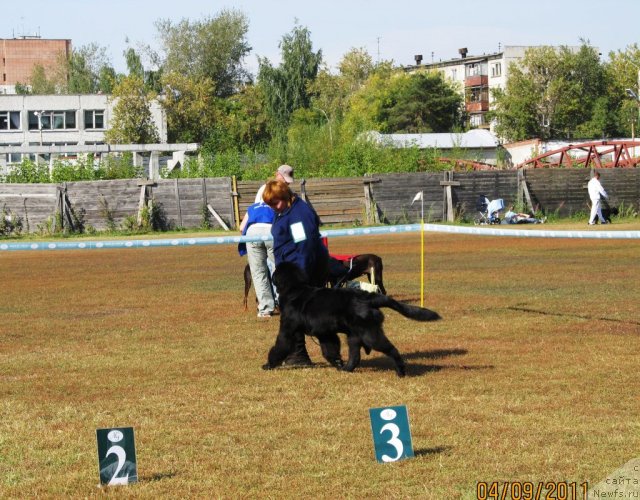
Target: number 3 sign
[
  {"x": 391, "y": 434},
  {"x": 117, "y": 456}
]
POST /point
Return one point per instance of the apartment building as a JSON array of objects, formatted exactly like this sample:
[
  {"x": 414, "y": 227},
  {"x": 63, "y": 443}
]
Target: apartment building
[
  {"x": 20, "y": 55},
  {"x": 476, "y": 76}
]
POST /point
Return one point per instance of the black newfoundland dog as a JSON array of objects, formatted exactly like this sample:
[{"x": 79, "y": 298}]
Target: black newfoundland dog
[{"x": 325, "y": 312}]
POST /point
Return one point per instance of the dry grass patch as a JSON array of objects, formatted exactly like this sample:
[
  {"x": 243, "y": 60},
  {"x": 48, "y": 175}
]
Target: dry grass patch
[{"x": 531, "y": 375}]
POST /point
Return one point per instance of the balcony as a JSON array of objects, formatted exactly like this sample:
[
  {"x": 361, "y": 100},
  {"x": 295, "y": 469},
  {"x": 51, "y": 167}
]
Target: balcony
[
  {"x": 476, "y": 81},
  {"x": 477, "y": 106}
]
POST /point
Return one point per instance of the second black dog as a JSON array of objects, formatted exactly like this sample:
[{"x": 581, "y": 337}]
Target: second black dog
[{"x": 325, "y": 312}]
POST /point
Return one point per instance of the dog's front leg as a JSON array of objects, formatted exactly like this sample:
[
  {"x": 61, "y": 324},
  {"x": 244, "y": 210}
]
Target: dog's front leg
[
  {"x": 330, "y": 345},
  {"x": 354, "y": 353},
  {"x": 281, "y": 349}
]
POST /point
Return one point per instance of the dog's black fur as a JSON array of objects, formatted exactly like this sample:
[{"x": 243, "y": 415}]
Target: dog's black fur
[{"x": 325, "y": 312}]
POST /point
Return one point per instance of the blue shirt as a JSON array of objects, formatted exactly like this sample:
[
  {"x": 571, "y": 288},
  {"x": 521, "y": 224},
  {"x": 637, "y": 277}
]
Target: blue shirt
[
  {"x": 258, "y": 212},
  {"x": 296, "y": 237}
]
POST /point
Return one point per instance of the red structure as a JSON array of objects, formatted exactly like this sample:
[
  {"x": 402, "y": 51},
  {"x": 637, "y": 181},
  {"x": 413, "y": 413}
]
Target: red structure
[{"x": 597, "y": 154}]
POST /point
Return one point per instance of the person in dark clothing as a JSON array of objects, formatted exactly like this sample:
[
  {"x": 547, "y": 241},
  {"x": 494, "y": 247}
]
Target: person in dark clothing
[{"x": 296, "y": 239}]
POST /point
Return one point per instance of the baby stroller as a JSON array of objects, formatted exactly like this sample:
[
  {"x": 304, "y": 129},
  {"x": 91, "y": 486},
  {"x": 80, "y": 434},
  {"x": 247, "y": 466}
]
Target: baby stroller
[{"x": 488, "y": 211}]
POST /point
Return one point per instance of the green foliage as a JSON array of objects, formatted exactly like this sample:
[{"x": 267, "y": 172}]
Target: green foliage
[
  {"x": 85, "y": 70},
  {"x": 83, "y": 168},
  {"x": 211, "y": 48},
  {"x": 85, "y": 67},
  {"x": 314, "y": 154},
  {"x": 420, "y": 103},
  {"x": 623, "y": 72},
  {"x": 39, "y": 83},
  {"x": 28, "y": 171},
  {"x": 55, "y": 225},
  {"x": 285, "y": 87},
  {"x": 190, "y": 106},
  {"x": 22, "y": 89},
  {"x": 243, "y": 120},
  {"x": 10, "y": 223},
  {"x": 151, "y": 78},
  {"x": 107, "y": 213},
  {"x": 118, "y": 167},
  {"x": 107, "y": 80},
  {"x": 209, "y": 164},
  {"x": 355, "y": 68},
  {"x": 49, "y": 226},
  {"x": 206, "y": 217},
  {"x": 131, "y": 121},
  {"x": 153, "y": 217},
  {"x": 80, "y": 170},
  {"x": 554, "y": 93},
  {"x": 134, "y": 63}
]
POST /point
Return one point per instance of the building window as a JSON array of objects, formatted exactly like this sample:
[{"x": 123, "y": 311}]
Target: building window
[
  {"x": 52, "y": 120},
  {"x": 9, "y": 120},
  {"x": 94, "y": 118},
  {"x": 476, "y": 69},
  {"x": 477, "y": 94},
  {"x": 476, "y": 120},
  {"x": 496, "y": 69}
]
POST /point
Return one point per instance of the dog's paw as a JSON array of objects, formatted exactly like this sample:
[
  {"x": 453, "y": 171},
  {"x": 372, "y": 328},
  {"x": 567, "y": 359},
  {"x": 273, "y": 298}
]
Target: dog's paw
[
  {"x": 338, "y": 363},
  {"x": 267, "y": 366}
]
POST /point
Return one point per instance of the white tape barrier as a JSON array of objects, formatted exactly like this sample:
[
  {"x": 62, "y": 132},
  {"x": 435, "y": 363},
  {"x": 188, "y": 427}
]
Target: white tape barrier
[{"x": 360, "y": 231}]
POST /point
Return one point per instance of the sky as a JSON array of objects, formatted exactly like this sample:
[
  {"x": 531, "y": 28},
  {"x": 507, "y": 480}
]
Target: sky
[{"x": 388, "y": 30}]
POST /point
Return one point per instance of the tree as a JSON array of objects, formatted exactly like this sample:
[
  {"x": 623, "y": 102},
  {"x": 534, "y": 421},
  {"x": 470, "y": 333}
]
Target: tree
[
  {"x": 134, "y": 63},
  {"x": 213, "y": 48},
  {"x": 107, "y": 80},
  {"x": 152, "y": 78},
  {"x": 40, "y": 84},
  {"x": 285, "y": 87},
  {"x": 81, "y": 72},
  {"x": 245, "y": 119},
  {"x": 355, "y": 68},
  {"x": 552, "y": 93},
  {"x": 190, "y": 106},
  {"x": 420, "y": 103},
  {"x": 623, "y": 71},
  {"x": 131, "y": 121}
]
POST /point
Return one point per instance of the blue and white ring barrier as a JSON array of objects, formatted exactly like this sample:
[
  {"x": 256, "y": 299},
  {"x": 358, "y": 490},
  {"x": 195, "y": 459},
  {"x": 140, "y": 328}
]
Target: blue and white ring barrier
[{"x": 360, "y": 231}]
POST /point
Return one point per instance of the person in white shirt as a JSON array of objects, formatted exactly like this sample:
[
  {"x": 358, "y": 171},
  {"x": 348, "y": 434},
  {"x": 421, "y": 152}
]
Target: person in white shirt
[
  {"x": 284, "y": 173},
  {"x": 596, "y": 193}
]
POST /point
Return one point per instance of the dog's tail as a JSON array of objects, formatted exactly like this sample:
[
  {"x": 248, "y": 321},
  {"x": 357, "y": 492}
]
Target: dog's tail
[{"x": 407, "y": 310}]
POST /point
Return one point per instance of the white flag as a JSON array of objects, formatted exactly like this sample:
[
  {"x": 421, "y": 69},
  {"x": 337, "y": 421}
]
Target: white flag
[{"x": 417, "y": 197}]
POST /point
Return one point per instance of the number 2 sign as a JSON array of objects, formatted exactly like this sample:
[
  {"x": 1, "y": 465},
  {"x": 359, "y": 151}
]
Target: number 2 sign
[
  {"x": 117, "y": 456},
  {"x": 391, "y": 434}
]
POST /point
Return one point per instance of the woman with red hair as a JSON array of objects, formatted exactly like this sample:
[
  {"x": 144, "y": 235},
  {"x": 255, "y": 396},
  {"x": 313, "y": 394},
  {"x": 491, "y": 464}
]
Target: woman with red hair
[{"x": 296, "y": 238}]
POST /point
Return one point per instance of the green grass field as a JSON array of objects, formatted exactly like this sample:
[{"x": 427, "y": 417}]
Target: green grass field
[{"x": 532, "y": 375}]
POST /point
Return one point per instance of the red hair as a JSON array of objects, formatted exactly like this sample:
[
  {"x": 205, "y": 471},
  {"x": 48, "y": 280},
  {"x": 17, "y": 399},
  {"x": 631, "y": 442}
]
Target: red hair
[{"x": 275, "y": 191}]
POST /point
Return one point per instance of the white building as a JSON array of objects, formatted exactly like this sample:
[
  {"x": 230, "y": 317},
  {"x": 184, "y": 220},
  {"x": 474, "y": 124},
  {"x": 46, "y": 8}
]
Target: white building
[
  {"x": 60, "y": 120},
  {"x": 477, "y": 76},
  {"x": 482, "y": 145}
]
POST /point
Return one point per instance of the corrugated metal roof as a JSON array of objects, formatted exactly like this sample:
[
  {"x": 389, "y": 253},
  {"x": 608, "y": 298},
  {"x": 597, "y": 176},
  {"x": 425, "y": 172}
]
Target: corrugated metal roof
[{"x": 474, "y": 139}]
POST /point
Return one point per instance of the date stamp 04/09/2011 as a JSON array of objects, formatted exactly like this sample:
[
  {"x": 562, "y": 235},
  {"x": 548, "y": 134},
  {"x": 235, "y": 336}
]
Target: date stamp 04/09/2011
[{"x": 529, "y": 490}]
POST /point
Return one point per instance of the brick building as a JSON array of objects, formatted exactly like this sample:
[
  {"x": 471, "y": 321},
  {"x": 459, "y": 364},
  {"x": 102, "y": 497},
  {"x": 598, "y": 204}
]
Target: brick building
[{"x": 20, "y": 55}]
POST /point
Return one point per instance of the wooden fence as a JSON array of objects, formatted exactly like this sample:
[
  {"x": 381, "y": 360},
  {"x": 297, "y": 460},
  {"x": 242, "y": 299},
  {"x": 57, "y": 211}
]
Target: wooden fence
[{"x": 385, "y": 198}]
